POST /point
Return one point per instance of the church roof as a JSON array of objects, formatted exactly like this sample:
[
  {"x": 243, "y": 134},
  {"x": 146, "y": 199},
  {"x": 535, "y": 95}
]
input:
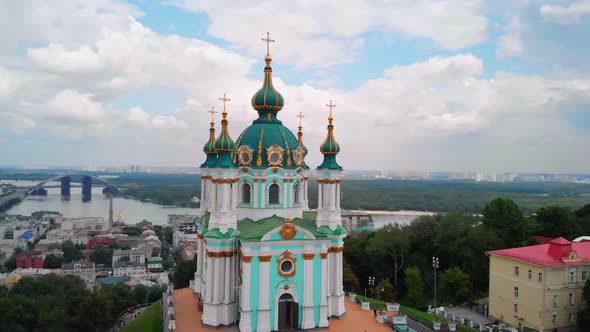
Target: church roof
[
  {"x": 264, "y": 134},
  {"x": 253, "y": 231}
]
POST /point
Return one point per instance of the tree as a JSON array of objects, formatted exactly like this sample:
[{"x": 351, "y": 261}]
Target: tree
[
  {"x": 103, "y": 255},
  {"x": 52, "y": 262},
  {"x": 415, "y": 285},
  {"x": 556, "y": 221},
  {"x": 167, "y": 233},
  {"x": 184, "y": 273},
  {"x": 455, "y": 286},
  {"x": 349, "y": 279},
  {"x": 71, "y": 253},
  {"x": 386, "y": 290},
  {"x": 392, "y": 241},
  {"x": 505, "y": 217}
]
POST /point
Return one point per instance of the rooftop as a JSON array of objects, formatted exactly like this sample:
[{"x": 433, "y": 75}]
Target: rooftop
[
  {"x": 127, "y": 264},
  {"x": 558, "y": 252}
]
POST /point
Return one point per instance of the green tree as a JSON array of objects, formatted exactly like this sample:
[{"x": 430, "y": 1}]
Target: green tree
[
  {"x": 167, "y": 233},
  {"x": 386, "y": 290},
  {"x": 505, "y": 217},
  {"x": 455, "y": 286},
  {"x": 71, "y": 253},
  {"x": 184, "y": 273},
  {"x": 556, "y": 221},
  {"x": 415, "y": 286},
  {"x": 390, "y": 244},
  {"x": 349, "y": 279},
  {"x": 103, "y": 255},
  {"x": 52, "y": 262}
]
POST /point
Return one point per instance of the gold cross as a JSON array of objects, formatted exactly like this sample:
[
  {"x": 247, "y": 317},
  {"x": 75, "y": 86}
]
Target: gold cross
[
  {"x": 330, "y": 105},
  {"x": 300, "y": 116},
  {"x": 212, "y": 111},
  {"x": 268, "y": 41},
  {"x": 225, "y": 100}
]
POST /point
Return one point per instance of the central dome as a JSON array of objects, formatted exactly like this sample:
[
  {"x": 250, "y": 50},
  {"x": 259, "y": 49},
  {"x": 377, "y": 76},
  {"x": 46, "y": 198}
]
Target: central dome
[{"x": 261, "y": 141}]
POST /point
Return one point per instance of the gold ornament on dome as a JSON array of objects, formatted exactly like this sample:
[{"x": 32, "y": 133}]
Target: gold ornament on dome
[
  {"x": 286, "y": 265},
  {"x": 288, "y": 231},
  {"x": 245, "y": 155},
  {"x": 274, "y": 155},
  {"x": 299, "y": 157}
]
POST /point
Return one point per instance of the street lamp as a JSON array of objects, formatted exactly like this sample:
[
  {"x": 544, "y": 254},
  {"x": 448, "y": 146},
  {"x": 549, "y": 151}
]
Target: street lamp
[
  {"x": 371, "y": 285},
  {"x": 435, "y": 266}
]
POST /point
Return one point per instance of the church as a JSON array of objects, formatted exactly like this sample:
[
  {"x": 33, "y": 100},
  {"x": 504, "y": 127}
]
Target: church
[{"x": 265, "y": 261}]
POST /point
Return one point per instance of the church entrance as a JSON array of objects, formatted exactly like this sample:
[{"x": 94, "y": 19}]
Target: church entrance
[{"x": 288, "y": 313}]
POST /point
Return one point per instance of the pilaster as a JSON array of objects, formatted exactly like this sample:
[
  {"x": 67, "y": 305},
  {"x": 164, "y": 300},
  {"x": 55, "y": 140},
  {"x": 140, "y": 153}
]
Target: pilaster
[
  {"x": 324, "y": 294},
  {"x": 308, "y": 307},
  {"x": 263, "y": 294}
]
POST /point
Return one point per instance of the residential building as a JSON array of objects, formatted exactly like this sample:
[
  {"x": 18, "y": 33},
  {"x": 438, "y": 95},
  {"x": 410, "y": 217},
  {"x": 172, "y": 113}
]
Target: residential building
[
  {"x": 183, "y": 222},
  {"x": 32, "y": 259},
  {"x": 129, "y": 269},
  {"x": 87, "y": 224},
  {"x": 539, "y": 287},
  {"x": 82, "y": 269},
  {"x": 60, "y": 236},
  {"x": 154, "y": 264},
  {"x": 133, "y": 255}
]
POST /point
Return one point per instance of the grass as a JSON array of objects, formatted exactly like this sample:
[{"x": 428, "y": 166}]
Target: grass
[{"x": 148, "y": 321}]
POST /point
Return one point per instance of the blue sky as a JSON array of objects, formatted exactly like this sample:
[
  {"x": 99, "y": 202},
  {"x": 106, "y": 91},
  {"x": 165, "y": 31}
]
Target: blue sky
[{"x": 422, "y": 78}]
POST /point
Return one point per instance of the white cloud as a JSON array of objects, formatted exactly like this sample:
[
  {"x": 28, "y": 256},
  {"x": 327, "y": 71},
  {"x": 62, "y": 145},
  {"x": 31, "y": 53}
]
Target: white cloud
[
  {"x": 71, "y": 105},
  {"x": 509, "y": 45},
  {"x": 566, "y": 14},
  {"x": 326, "y": 33}
]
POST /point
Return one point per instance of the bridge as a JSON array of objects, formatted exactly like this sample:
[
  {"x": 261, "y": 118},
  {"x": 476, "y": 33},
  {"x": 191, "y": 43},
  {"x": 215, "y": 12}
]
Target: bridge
[{"x": 66, "y": 185}]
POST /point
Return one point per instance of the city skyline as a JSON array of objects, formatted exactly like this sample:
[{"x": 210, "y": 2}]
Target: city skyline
[{"x": 500, "y": 87}]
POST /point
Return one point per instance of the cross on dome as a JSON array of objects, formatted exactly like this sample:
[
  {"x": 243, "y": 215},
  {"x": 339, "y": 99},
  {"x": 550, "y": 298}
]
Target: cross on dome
[
  {"x": 330, "y": 106},
  {"x": 268, "y": 41},
  {"x": 225, "y": 100},
  {"x": 213, "y": 112},
  {"x": 300, "y": 116}
]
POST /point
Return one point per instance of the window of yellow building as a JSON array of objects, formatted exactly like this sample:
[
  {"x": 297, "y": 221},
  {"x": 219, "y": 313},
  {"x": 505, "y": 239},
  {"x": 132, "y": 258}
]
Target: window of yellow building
[
  {"x": 530, "y": 274},
  {"x": 516, "y": 271},
  {"x": 516, "y": 292},
  {"x": 571, "y": 298},
  {"x": 554, "y": 319},
  {"x": 555, "y": 300},
  {"x": 572, "y": 317},
  {"x": 584, "y": 275},
  {"x": 515, "y": 308},
  {"x": 540, "y": 277},
  {"x": 572, "y": 274}
]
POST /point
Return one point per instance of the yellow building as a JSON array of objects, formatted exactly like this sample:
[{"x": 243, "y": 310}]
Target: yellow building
[{"x": 539, "y": 288}]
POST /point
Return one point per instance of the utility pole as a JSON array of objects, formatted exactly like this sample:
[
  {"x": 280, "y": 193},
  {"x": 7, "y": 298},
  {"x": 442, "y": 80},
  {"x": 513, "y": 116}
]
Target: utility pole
[{"x": 435, "y": 266}]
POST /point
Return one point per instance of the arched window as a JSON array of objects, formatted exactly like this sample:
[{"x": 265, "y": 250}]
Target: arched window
[
  {"x": 273, "y": 194},
  {"x": 296, "y": 199},
  {"x": 246, "y": 193}
]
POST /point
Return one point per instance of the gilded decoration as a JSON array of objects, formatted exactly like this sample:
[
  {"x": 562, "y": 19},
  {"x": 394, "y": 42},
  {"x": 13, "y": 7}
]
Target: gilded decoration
[
  {"x": 324, "y": 255},
  {"x": 275, "y": 155},
  {"x": 299, "y": 157},
  {"x": 220, "y": 254},
  {"x": 288, "y": 231},
  {"x": 246, "y": 259},
  {"x": 245, "y": 155},
  {"x": 289, "y": 162},
  {"x": 327, "y": 181},
  {"x": 264, "y": 258},
  {"x": 260, "y": 150},
  {"x": 308, "y": 257},
  {"x": 286, "y": 265},
  {"x": 335, "y": 249}
]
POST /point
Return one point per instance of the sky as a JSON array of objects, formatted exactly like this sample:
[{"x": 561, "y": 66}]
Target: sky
[{"x": 421, "y": 85}]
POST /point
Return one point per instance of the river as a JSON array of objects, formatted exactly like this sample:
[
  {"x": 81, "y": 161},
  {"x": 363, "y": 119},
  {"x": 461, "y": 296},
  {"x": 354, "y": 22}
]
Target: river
[{"x": 132, "y": 210}]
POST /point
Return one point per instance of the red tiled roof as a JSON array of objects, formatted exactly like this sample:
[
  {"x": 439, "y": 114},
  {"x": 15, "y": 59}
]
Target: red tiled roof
[{"x": 551, "y": 254}]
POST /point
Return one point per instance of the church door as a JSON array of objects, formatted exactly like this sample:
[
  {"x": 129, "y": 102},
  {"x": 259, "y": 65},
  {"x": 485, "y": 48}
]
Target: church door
[{"x": 288, "y": 313}]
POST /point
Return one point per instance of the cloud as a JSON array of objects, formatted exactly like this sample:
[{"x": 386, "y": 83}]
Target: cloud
[
  {"x": 71, "y": 105},
  {"x": 565, "y": 14},
  {"x": 509, "y": 45},
  {"x": 326, "y": 33}
]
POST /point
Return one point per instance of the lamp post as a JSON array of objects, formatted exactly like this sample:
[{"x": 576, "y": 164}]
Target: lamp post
[
  {"x": 371, "y": 285},
  {"x": 435, "y": 266}
]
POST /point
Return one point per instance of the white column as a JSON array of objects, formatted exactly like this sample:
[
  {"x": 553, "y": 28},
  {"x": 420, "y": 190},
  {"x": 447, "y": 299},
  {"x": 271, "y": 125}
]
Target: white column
[
  {"x": 332, "y": 196},
  {"x": 263, "y": 193},
  {"x": 212, "y": 196},
  {"x": 197, "y": 283},
  {"x": 320, "y": 198},
  {"x": 255, "y": 194},
  {"x": 308, "y": 319},
  {"x": 263, "y": 294},
  {"x": 338, "y": 195},
  {"x": 246, "y": 313},
  {"x": 217, "y": 283},
  {"x": 228, "y": 287},
  {"x": 209, "y": 280},
  {"x": 235, "y": 187},
  {"x": 324, "y": 293},
  {"x": 285, "y": 194}
]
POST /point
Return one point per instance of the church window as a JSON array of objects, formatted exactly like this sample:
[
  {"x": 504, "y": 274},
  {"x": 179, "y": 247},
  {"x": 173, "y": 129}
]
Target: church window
[
  {"x": 246, "y": 193},
  {"x": 296, "y": 194},
  {"x": 287, "y": 266},
  {"x": 273, "y": 194}
]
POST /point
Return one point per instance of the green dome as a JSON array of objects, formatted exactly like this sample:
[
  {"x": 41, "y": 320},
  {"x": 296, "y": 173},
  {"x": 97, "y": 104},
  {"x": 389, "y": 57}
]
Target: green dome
[
  {"x": 224, "y": 143},
  {"x": 330, "y": 149},
  {"x": 267, "y": 98},
  {"x": 262, "y": 138},
  {"x": 209, "y": 148}
]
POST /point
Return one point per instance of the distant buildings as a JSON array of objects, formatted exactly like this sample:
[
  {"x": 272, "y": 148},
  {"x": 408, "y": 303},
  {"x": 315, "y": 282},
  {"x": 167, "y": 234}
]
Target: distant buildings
[
  {"x": 129, "y": 269},
  {"x": 31, "y": 259},
  {"x": 133, "y": 255},
  {"x": 85, "y": 224},
  {"x": 539, "y": 287},
  {"x": 86, "y": 271},
  {"x": 183, "y": 223},
  {"x": 154, "y": 264}
]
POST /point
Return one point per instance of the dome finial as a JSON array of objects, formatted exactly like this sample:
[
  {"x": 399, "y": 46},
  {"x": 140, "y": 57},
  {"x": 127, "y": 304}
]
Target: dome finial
[
  {"x": 224, "y": 144},
  {"x": 267, "y": 100},
  {"x": 330, "y": 148},
  {"x": 268, "y": 41},
  {"x": 213, "y": 112},
  {"x": 209, "y": 147}
]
